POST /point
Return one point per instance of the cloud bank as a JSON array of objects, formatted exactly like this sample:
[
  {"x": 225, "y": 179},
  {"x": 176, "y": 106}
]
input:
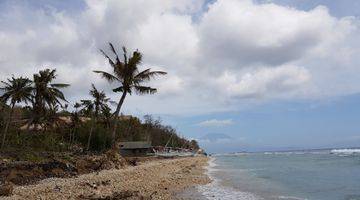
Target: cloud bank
[{"x": 219, "y": 56}]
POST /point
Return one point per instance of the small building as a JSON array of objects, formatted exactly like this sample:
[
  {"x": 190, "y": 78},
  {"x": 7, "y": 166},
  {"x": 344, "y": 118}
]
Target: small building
[{"x": 136, "y": 148}]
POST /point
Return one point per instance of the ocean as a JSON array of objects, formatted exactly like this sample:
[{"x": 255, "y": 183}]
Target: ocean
[{"x": 297, "y": 175}]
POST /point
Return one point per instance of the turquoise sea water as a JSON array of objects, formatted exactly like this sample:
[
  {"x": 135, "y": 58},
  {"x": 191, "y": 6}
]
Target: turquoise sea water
[{"x": 300, "y": 175}]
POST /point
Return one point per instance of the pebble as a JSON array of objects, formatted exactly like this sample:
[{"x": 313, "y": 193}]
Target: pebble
[{"x": 147, "y": 178}]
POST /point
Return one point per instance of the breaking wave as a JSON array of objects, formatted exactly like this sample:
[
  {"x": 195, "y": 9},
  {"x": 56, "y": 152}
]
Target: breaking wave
[{"x": 345, "y": 151}]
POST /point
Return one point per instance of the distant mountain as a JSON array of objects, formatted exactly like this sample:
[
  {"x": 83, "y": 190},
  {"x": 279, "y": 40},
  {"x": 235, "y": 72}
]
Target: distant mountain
[{"x": 213, "y": 137}]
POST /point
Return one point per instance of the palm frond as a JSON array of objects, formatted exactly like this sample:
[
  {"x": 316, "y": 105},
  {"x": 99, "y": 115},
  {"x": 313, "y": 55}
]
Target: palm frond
[
  {"x": 144, "y": 90},
  {"x": 58, "y": 94},
  {"x": 135, "y": 59},
  {"x": 115, "y": 53},
  {"x": 109, "y": 77},
  {"x": 125, "y": 55},
  {"x": 60, "y": 85},
  {"x": 147, "y": 75},
  {"x": 120, "y": 70},
  {"x": 119, "y": 89},
  {"x": 114, "y": 103},
  {"x": 17, "y": 90},
  {"x": 109, "y": 59}
]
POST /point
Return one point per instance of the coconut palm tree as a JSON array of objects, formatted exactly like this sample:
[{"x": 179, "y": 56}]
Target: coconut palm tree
[
  {"x": 46, "y": 94},
  {"x": 94, "y": 107},
  {"x": 128, "y": 77},
  {"x": 15, "y": 90},
  {"x": 74, "y": 122},
  {"x": 107, "y": 117}
]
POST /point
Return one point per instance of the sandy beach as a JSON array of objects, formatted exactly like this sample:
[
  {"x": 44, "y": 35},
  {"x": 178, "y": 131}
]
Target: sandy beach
[{"x": 157, "y": 179}]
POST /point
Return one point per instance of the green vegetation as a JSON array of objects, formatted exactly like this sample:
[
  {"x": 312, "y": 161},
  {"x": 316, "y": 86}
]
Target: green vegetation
[
  {"x": 93, "y": 108},
  {"x": 16, "y": 90},
  {"x": 34, "y": 116},
  {"x": 47, "y": 98}
]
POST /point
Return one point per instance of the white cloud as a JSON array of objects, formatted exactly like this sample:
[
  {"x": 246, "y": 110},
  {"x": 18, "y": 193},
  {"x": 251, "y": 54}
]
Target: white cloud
[
  {"x": 264, "y": 82},
  {"x": 235, "y": 52},
  {"x": 237, "y": 32},
  {"x": 216, "y": 122}
]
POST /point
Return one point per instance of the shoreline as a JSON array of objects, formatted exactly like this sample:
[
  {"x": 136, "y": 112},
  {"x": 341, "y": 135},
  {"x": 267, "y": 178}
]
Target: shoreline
[
  {"x": 157, "y": 179},
  {"x": 195, "y": 192}
]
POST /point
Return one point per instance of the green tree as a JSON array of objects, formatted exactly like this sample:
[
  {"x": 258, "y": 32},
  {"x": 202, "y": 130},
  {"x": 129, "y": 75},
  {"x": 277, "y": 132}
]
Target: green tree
[
  {"x": 94, "y": 107},
  {"x": 128, "y": 77},
  {"x": 46, "y": 95},
  {"x": 16, "y": 90}
]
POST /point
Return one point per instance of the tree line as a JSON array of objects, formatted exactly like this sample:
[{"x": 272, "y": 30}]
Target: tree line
[{"x": 42, "y": 120}]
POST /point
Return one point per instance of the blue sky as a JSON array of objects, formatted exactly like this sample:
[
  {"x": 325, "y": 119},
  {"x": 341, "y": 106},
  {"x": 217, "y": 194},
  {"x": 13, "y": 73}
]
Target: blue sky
[
  {"x": 270, "y": 74},
  {"x": 338, "y": 8},
  {"x": 284, "y": 125}
]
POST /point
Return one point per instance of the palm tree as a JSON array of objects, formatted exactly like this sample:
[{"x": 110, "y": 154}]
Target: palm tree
[
  {"x": 46, "y": 94},
  {"x": 107, "y": 116},
  {"x": 93, "y": 107},
  {"x": 16, "y": 90},
  {"x": 75, "y": 121},
  {"x": 127, "y": 75}
]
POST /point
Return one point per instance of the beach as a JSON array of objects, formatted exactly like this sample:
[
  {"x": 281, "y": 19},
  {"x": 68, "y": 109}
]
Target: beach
[{"x": 156, "y": 179}]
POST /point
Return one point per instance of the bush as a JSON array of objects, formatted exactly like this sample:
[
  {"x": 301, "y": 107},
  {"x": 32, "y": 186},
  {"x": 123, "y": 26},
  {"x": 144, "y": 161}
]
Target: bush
[
  {"x": 100, "y": 139},
  {"x": 132, "y": 129}
]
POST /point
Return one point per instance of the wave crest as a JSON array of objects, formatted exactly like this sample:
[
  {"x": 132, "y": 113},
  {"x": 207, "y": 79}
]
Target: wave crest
[{"x": 345, "y": 151}]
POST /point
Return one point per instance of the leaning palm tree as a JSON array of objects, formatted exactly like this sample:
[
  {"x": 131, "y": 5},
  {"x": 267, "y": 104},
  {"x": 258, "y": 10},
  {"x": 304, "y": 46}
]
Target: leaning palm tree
[
  {"x": 15, "y": 90},
  {"x": 94, "y": 107},
  {"x": 46, "y": 94},
  {"x": 127, "y": 75}
]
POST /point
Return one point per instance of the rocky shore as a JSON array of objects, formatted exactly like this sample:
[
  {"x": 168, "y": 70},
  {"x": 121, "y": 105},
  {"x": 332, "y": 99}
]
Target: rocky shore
[{"x": 155, "y": 179}]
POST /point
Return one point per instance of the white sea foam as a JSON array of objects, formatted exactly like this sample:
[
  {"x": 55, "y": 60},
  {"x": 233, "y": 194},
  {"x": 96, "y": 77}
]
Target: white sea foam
[
  {"x": 345, "y": 151},
  {"x": 291, "y": 198},
  {"x": 295, "y": 152},
  {"x": 211, "y": 166},
  {"x": 215, "y": 191}
]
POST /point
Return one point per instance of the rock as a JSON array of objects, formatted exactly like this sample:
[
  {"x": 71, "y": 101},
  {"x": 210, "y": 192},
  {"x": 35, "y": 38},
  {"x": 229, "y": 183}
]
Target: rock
[
  {"x": 132, "y": 162},
  {"x": 58, "y": 172},
  {"x": 21, "y": 175},
  {"x": 124, "y": 194},
  {"x": 105, "y": 183},
  {"x": 57, "y": 189},
  {"x": 6, "y": 189},
  {"x": 92, "y": 185},
  {"x": 127, "y": 194},
  {"x": 82, "y": 166}
]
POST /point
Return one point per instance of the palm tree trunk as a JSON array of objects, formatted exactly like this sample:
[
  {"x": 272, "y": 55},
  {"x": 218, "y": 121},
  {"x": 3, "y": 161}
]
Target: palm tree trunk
[
  {"x": 7, "y": 125},
  {"x": 90, "y": 133},
  {"x": 73, "y": 135},
  {"x": 116, "y": 114},
  {"x": 70, "y": 135}
]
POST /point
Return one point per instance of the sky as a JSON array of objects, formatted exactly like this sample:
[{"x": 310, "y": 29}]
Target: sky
[{"x": 243, "y": 75}]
